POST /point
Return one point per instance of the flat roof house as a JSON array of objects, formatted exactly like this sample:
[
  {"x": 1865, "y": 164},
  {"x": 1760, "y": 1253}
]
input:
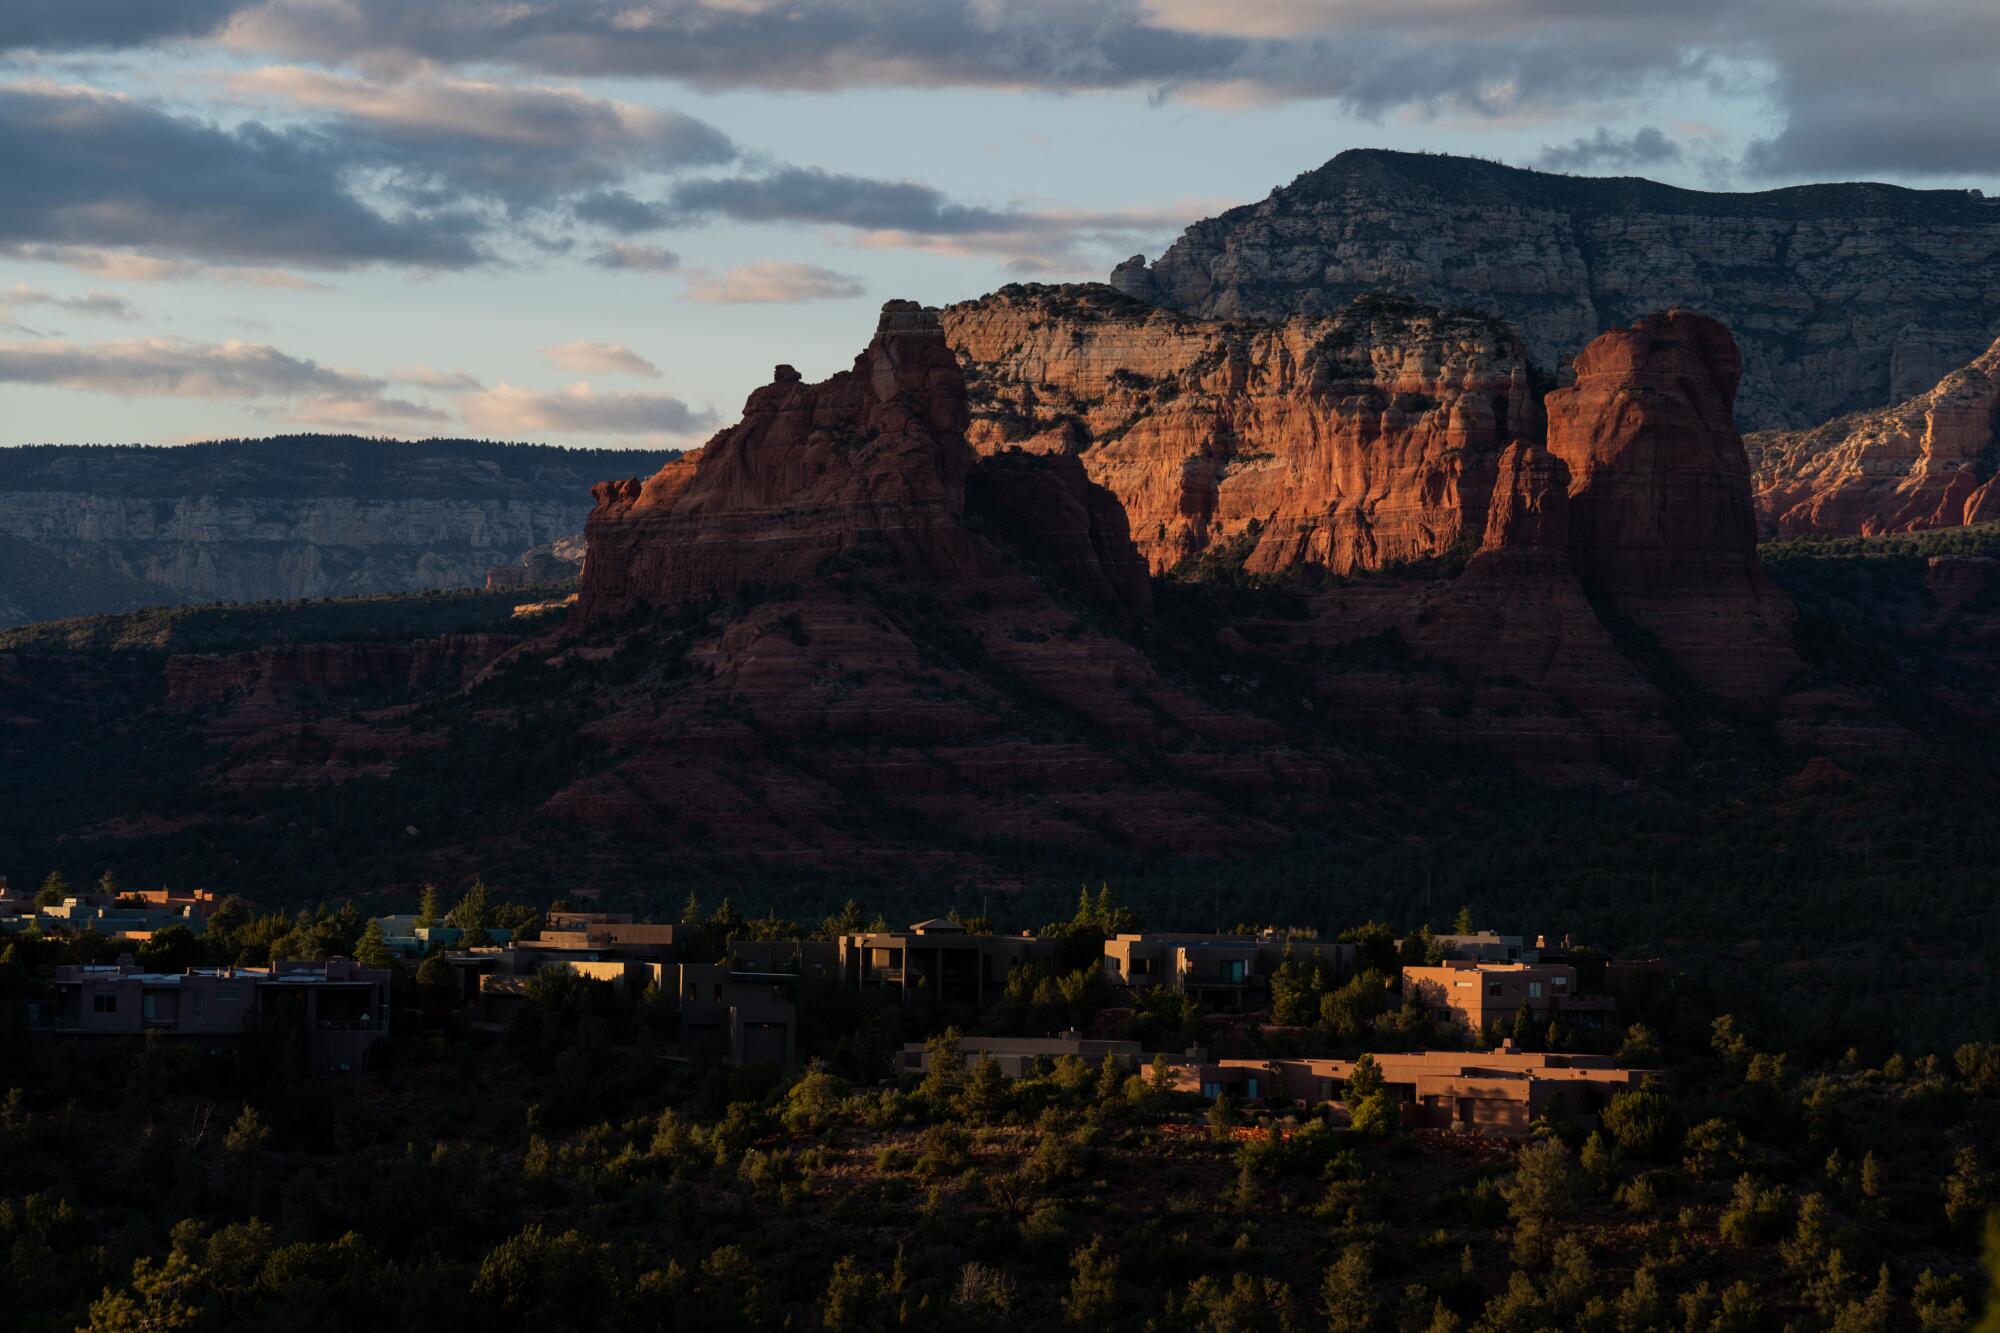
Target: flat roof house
[
  {"x": 1018, "y": 1056},
  {"x": 1223, "y": 971},
  {"x": 959, "y": 968},
  {"x": 342, "y": 1007},
  {"x": 754, "y": 1015},
  {"x": 1500, "y": 1092},
  {"x": 1472, "y": 995}
]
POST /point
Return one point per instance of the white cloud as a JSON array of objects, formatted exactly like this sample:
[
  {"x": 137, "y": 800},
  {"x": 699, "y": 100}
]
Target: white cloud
[
  {"x": 625, "y": 256},
  {"x": 509, "y": 410},
  {"x": 589, "y": 358},
  {"x": 771, "y": 282}
]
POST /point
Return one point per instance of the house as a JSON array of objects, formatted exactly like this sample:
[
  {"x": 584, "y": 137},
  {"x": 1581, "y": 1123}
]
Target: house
[
  {"x": 808, "y": 958},
  {"x": 1501, "y": 1092},
  {"x": 752, "y": 1015},
  {"x": 1018, "y": 1057},
  {"x": 1484, "y": 946},
  {"x": 341, "y": 1007},
  {"x": 1229, "y": 972},
  {"x": 1472, "y": 995},
  {"x": 123, "y": 917},
  {"x": 956, "y": 966},
  {"x": 406, "y": 939}
]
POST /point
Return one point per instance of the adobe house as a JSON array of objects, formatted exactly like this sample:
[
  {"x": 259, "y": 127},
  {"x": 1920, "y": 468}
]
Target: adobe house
[
  {"x": 1470, "y": 995},
  {"x": 342, "y": 1007},
  {"x": 1225, "y": 972},
  {"x": 959, "y": 968},
  {"x": 754, "y": 1015},
  {"x": 1500, "y": 1092}
]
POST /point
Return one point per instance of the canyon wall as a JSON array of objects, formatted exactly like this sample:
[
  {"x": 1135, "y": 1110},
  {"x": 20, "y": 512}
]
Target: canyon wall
[
  {"x": 1843, "y": 296},
  {"x": 87, "y": 530},
  {"x": 1366, "y": 438},
  {"x": 1927, "y": 462}
]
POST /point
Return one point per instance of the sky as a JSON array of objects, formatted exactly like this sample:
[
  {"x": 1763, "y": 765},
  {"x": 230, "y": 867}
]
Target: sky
[{"x": 602, "y": 222}]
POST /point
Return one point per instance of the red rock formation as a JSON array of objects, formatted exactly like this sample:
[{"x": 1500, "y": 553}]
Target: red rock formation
[
  {"x": 872, "y": 462},
  {"x": 1661, "y": 523},
  {"x": 270, "y": 686},
  {"x": 1928, "y": 462},
  {"x": 1051, "y": 508},
  {"x": 1350, "y": 442}
]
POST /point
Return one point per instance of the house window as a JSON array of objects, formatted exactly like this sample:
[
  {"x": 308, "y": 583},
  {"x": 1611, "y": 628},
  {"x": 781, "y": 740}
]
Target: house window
[
  {"x": 151, "y": 1006},
  {"x": 197, "y": 1004},
  {"x": 1211, "y": 1090},
  {"x": 104, "y": 1002},
  {"x": 1534, "y": 990},
  {"x": 228, "y": 994},
  {"x": 717, "y": 995}
]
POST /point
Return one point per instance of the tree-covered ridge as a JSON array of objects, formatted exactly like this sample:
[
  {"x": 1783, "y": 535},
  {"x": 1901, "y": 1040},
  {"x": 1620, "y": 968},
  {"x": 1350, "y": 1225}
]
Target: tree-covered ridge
[
  {"x": 244, "y": 627},
  {"x": 307, "y": 466}
]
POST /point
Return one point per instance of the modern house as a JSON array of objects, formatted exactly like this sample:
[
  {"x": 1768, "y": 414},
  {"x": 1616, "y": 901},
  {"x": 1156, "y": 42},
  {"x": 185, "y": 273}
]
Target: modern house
[
  {"x": 958, "y": 967},
  {"x": 341, "y": 1007},
  {"x": 1473, "y": 995},
  {"x": 1500, "y": 1092},
  {"x": 1228, "y": 972},
  {"x": 752, "y": 1015},
  {"x": 1485, "y": 946}
]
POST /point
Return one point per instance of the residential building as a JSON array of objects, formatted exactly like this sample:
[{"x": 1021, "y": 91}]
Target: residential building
[
  {"x": 1501, "y": 1092},
  {"x": 340, "y": 1006},
  {"x": 1223, "y": 971},
  {"x": 957, "y": 967},
  {"x": 808, "y": 958},
  {"x": 1019, "y": 1056},
  {"x": 752, "y": 1015},
  {"x": 1473, "y": 995},
  {"x": 406, "y": 939},
  {"x": 1485, "y": 946}
]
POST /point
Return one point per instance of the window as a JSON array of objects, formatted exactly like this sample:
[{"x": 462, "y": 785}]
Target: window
[
  {"x": 104, "y": 1002},
  {"x": 228, "y": 994},
  {"x": 717, "y": 992},
  {"x": 197, "y": 1004},
  {"x": 150, "y": 1006},
  {"x": 1535, "y": 990}
]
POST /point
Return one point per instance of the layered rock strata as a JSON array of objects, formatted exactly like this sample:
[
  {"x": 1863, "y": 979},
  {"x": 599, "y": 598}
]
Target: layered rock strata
[
  {"x": 1366, "y": 438},
  {"x": 1928, "y": 462},
  {"x": 1844, "y": 296}
]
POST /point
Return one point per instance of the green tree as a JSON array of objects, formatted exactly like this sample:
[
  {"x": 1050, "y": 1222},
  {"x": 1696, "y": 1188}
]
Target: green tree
[
  {"x": 437, "y": 982},
  {"x": 162, "y": 1298},
  {"x": 1221, "y": 1116},
  {"x": 1093, "y": 1287},
  {"x": 1968, "y": 1190},
  {"x": 1347, "y": 1292},
  {"x": 471, "y": 916},
  {"x": 54, "y": 890},
  {"x": 1462, "y": 923},
  {"x": 541, "y": 1280},
  {"x": 429, "y": 909},
  {"x": 371, "y": 950},
  {"x": 1540, "y": 1192}
]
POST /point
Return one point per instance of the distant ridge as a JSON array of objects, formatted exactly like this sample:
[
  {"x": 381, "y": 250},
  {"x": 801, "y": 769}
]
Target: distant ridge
[
  {"x": 91, "y": 529},
  {"x": 1843, "y": 296}
]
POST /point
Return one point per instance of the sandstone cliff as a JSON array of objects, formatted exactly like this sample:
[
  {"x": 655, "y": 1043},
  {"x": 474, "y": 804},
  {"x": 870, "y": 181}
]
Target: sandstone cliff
[
  {"x": 88, "y": 530},
  {"x": 1661, "y": 524},
  {"x": 1928, "y": 462},
  {"x": 1362, "y": 439},
  {"x": 870, "y": 466},
  {"x": 1844, "y": 296}
]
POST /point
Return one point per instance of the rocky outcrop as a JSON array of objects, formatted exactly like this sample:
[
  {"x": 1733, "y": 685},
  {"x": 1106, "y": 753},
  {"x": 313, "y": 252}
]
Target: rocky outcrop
[
  {"x": 548, "y": 565},
  {"x": 871, "y": 464},
  {"x": 1366, "y": 438},
  {"x": 871, "y": 467},
  {"x": 242, "y": 692},
  {"x": 1844, "y": 296},
  {"x": 1928, "y": 462},
  {"x": 1660, "y": 520},
  {"x": 86, "y": 530}
]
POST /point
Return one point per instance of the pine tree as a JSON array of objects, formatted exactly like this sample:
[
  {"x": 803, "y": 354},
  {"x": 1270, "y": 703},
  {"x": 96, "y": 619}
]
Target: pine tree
[
  {"x": 54, "y": 889},
  {"x": 371, "y": 950},
  {"x": 428, "y": 909}
]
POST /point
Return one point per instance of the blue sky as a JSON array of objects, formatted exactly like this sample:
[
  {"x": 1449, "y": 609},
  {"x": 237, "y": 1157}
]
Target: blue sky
[{"x": 603, "y": 221}]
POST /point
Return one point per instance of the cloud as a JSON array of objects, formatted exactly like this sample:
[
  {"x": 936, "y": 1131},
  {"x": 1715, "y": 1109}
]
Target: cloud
[
  {"x": 450, "y": 381},
  {"x": 1605, "y": 151},
  {"x": 625, "y": 256},
  {"x": 95, "y": 303},
  {"x": 588, "y": 358},
  {"x": 773, "y": 281},
  {"x": 893, "y": 214},
  {"x": 615, "y": 210},
  {"x": 522, "y": 145},
  {"x": 66, "y": 25},
  {"x": 580, "y": 410},
  {"x": 175, "y": 368},
  {"x": 90, "y": 172}
]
